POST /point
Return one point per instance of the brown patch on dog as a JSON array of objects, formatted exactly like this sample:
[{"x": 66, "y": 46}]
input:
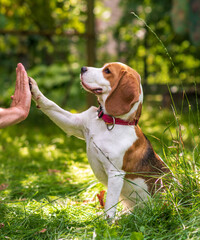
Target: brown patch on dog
[
  {"x": 125, "y": 88},
  {"x": 136, "y": 115},
  {"x": 140, "y": 161},
  {"x": 115, "y": 72}
]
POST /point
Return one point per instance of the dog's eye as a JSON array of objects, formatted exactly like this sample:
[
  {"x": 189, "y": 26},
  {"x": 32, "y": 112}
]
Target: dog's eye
[{"x": 107, "y": 70}]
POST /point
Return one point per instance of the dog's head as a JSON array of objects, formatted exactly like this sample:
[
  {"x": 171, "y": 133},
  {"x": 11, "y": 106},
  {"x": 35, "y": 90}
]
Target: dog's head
[{"x": 117, "y": 86}]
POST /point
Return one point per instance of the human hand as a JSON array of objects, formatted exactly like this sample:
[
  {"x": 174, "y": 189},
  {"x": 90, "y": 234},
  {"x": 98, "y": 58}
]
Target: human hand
[{"x": 22, "y": 96}]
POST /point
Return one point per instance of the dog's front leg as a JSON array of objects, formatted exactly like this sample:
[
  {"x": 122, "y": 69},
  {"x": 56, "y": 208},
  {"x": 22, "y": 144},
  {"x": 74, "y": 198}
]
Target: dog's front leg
[
  {"x": 70, "y": 123},
  {"x": 115, "y": 184}
]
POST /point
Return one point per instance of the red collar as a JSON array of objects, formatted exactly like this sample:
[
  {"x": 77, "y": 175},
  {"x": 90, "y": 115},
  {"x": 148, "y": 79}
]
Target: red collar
[{"x": 110, "y": 120}]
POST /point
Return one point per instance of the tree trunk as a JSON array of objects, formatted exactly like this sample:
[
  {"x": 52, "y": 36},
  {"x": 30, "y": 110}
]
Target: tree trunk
[{"x": 91, "y": 44}]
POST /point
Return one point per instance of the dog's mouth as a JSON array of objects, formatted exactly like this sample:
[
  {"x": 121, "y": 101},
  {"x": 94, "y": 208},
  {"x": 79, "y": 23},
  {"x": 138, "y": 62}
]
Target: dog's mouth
[{"x": 96, "y": 91}]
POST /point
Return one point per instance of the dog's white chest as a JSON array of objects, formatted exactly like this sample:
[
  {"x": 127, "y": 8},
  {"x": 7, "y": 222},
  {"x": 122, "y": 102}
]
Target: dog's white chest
[{"x": 106, "y": 149}]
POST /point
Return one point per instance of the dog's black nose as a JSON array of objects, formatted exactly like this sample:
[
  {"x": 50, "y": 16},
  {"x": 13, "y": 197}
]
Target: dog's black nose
[{"x": 83, "y": 69}]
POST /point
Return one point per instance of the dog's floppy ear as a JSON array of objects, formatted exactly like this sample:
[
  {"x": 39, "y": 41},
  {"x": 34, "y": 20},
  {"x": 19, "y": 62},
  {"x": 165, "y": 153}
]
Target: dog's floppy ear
[{"x": 123, "y": 95}]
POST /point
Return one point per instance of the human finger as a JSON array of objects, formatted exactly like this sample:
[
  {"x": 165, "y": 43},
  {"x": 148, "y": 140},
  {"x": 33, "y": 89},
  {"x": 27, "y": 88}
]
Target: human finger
[
  {"x": 22, "y": 82},
  {"x": 23, "y": 78},
  {"x": 26, "y": 91},
  {"x": 19, "y": 80},
  {"x": 19, "y": 89}
]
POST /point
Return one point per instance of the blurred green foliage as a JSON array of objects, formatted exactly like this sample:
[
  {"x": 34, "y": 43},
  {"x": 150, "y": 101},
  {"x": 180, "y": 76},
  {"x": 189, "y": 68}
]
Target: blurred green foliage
[
  {"x": 49, "y": 38},
  {"x": 41, "y": 34},
  {"x": 141, "y": 49}
]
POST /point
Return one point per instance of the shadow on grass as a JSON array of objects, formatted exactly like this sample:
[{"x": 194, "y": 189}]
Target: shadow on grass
[
  {"x": 43, "y": 223},
  {"x": 40, "y": 169},
  {"x": 37, "y": 162}
]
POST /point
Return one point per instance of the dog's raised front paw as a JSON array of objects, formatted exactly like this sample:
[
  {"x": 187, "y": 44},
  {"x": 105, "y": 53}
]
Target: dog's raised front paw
[{"x": 34, "y": 89}]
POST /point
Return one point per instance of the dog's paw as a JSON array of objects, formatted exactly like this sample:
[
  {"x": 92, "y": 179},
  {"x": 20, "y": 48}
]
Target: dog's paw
[{"x": 34, "y": 89}]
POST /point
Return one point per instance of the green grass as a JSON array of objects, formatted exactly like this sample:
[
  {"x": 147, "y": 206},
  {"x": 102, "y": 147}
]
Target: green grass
[{"x": 48, "y": 191}]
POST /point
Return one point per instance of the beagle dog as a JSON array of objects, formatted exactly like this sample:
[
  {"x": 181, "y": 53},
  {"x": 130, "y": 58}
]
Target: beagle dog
[{"x": 120, "y": 155}]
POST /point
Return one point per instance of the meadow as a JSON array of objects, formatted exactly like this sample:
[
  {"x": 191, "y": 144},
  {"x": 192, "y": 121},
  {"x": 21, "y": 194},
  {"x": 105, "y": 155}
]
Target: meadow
[{"x": 48, "y": 191}]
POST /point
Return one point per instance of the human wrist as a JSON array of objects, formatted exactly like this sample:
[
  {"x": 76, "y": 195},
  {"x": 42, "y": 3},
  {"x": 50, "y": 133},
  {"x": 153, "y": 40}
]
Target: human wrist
[
  {"x": 12, "y": 115},
  {"x": 20, "y": 112}
]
